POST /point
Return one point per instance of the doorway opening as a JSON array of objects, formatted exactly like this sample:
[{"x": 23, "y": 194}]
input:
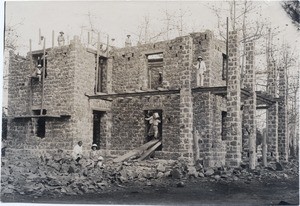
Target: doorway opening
[
  {"x": 150, "y": 124},
  {"x": 97, "y": 125}
]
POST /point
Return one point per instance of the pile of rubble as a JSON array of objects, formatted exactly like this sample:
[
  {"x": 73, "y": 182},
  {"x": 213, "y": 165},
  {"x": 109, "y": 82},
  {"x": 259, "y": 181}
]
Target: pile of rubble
[{"x": 63, "y": 176}]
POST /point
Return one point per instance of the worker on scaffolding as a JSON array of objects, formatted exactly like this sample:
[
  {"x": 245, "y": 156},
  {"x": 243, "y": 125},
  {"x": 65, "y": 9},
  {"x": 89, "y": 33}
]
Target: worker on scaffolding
[
  {"x": 61, "y": 39},
  {"x": 39, "y": 68},
  {"x": 200, "y": 69},
  {"x": 128, "y": 41},
  {"x": 37, "y": 73}
]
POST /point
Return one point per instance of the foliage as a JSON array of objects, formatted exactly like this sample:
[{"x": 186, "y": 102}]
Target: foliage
[{"x": 292, "y": 8}]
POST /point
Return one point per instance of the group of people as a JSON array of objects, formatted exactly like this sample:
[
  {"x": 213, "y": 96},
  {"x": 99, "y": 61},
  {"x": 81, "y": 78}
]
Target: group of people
[{"x": 95, "y": 158}]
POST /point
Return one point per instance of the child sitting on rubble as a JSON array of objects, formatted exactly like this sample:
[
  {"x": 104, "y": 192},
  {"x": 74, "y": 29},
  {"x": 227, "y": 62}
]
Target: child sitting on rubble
[{"x": 96, "y": 159}]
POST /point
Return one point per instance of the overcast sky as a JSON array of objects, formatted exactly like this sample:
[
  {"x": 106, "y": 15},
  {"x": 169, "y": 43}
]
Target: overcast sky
[{"x": 117, "y": 19}]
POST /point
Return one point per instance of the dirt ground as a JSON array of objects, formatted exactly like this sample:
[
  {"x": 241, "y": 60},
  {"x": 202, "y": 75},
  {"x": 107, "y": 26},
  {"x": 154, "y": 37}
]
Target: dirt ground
[{"x": 192, "y": 191}]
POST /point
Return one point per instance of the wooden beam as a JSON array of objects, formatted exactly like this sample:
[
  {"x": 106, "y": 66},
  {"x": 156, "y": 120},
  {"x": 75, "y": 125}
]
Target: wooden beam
[
  {"x": 135, "y": 151},
  {"x": 148, "y": 152},
  {"x": 39, "y": 116},
  {"x": 216, "y": 90},
  {"x": 133, "y": 93}
]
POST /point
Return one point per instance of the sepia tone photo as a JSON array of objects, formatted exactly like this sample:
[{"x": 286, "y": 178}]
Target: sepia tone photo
[{"x": 150, "y": 103}]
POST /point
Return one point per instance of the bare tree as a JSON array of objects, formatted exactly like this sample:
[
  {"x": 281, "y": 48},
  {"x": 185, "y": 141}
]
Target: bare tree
[{"x": 292, "y": 8}]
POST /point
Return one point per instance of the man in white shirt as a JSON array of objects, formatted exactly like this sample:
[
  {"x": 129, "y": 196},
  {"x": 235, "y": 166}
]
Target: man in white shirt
[
  {"x": 77, "y": 151},
  {"x": 201, "y": 68}
]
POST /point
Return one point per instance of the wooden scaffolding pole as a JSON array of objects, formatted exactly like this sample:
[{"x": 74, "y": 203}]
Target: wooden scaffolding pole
[
  {"x": 227, "y": 57},
  {"x": 30, "y": 79},
  {"x": 43, "y": 75},
  {"x": 97, "y": 64}
]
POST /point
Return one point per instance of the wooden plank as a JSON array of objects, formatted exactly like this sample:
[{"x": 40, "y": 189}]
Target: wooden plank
[
  {"x": 39, "y": 116},
  {"x": 135, "y": 151},
  {"x": 148, "y": 152}
]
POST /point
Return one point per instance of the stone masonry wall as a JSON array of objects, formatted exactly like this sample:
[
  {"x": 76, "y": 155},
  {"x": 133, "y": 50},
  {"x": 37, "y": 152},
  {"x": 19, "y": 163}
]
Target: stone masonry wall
[
  {"x": 249, "y": 108},
  {"x": 234, "y": 132},
  {"x": 129, "y": 125},
  {"x": 283, "y": 141},
  {"x": 70, "y": 74},
  {"x": 130, "y": 64},
  {"x": 186, "y": 107},
  {"x": 211, "y": 49},
  {"x": 208, "y": 127},
  {"x": 57, "y": 100},
  {"x": 82, "y": 127},
  {"x": 272, "y": 113}
]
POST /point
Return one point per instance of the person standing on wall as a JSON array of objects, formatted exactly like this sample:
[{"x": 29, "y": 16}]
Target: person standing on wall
[
  {"x": 200, "y": 69},
  {"x": 61, "y": 39}
]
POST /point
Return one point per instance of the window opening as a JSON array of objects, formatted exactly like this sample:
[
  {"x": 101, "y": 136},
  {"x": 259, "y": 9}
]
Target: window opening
[
  {"x": 223, "y": 132},
  {"x": 224, "y": 63},
  {"x": 40, "y": 123},
  {"x": 100, "y": 77},
  {"x": 155, "y": 70},
  {"x": 97, "y": 124}
]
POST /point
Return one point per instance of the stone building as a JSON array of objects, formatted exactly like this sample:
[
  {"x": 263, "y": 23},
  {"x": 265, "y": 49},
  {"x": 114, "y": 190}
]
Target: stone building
[{"x": 104, "y": 97}]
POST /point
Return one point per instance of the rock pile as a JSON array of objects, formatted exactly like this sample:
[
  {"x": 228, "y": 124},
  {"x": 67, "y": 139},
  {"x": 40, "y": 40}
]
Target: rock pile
[{"x": 61, "y": 175}]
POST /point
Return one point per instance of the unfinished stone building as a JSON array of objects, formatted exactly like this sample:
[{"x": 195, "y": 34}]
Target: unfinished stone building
[{"x": 104, "y": 97}]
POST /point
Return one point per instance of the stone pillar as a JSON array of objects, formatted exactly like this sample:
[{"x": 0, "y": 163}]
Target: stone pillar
[
  {"x": 186, "y": 109},
  {"x": 272, "y": 114},
  {"x": 249, "y": 109},
  {"x": 283, "y": 141},
  {"x": 234, "y": 132}
]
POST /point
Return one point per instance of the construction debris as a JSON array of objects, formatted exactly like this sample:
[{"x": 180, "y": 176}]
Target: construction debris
[{"x": 62, "y": 175}]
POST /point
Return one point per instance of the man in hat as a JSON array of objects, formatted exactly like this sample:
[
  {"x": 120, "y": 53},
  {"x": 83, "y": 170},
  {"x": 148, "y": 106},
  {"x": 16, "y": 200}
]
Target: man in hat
[
  {"x": 77, "y": 151},
  {"x": 200, "y": 69},
  {"x": 128, "y": 41},
  {"x": 37, "y": 72},
  {"x": 61, "y": 39},
  {"x": 95, "y": 157}
]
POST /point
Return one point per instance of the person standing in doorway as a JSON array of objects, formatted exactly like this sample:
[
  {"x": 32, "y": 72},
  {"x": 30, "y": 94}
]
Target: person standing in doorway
[{"x": 155, "y": 123}]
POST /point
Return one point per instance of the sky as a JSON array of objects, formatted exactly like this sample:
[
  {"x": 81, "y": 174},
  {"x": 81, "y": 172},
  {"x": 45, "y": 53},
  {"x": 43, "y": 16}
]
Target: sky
[{"x": 119, "y": 18}]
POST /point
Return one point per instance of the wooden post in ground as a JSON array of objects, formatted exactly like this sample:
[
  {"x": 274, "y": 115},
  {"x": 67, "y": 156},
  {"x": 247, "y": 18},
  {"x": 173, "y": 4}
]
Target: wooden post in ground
[
  {"x": 264, "y": 148},
  {"x": 52, "y": 38}
]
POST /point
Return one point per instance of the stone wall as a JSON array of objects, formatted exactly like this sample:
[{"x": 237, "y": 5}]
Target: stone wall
[
  {"x": 283, "y": 138},
  {"x": 211, "y": 49},
  {"x": 272, "y": 113},
  {"x": 208, "y": 127},
  {"x": 70, "y": 70},
  {"x": 249, "y": 108},
  {"x": 234, "y": 132},
  {"x": 71, "y": 75},
  {"x": 129, "y": 124},
  {"x": 57, "y": 100}
]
